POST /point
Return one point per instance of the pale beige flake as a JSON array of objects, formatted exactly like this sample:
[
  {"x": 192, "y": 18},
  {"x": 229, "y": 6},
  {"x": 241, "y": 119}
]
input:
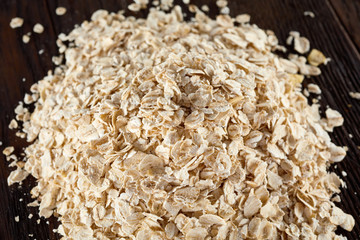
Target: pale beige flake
[
  {"x": 333, "y": 119},
  {"x": 225, "y": 10},
  {"x": 17, "y": 176},
  {"x": 38, "y": 28},
  {"x": 134, "y": 7},
  {"x": 26, "y": 38},
  {"x": 8, "y": 150},
  {"x": 17, "y": 219},
  {"x": 16, "y": 22},
  {"x": 60, "y": 11},
  {"x": 242, "y": 18},
  {"x": 221, "y": 3},
  {"x": 289, "y": 66},
  {"x": 252, "y": 206},
  {"x": 314, "y": 88},
  {"x": 355, "y": 95},
  {"x": 205, "y": 8},
  {"x": 309, "y": 13},
  {"x": 274, "y": 180},
  {"x": 143, "y": 3},
  {"x": 301, "y": 45},
  {"x": 13, "y": 124},
  {"x": 338, "y": 217}
]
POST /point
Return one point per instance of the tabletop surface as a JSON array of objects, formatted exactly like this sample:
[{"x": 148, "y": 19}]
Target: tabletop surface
[{"x": 335, "y": 30}]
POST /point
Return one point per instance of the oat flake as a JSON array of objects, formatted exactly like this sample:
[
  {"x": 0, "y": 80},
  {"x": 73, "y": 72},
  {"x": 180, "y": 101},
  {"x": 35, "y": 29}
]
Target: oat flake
[
  {"x": 16, "y": 22},
  {"x": 60, "y": 11},
  {"x": 38, "y": 28}
]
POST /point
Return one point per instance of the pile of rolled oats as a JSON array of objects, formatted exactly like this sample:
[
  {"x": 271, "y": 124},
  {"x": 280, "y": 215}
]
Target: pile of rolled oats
[{"x": 160, "y": 128}]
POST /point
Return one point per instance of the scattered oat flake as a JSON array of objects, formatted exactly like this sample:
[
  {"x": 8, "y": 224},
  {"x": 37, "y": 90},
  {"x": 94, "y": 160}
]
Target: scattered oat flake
[
  {"x": 193, "y": 8},
  {"x": 30, "y": 216},
  {"x": 221, "y": 3},
  {"x": 41, "y": 51},
  {"x": 343, "y": 173},
  {"x": 225, "y": 10},
  {"x": 8, "y": 150},
  {"x": 17, "y": 219},
  {"x": 38, "y": 28},
  {"x": 309, "y": 13},
  {"x": 355, "y": 95},
  {"x": 314, "y": 88},
  {"x": 205, "y": 8},
  {"x": 242, "y": 18},
  {"x": 314, "y": 100},
  {"x": 16, "y": 22},
  {"x": 13, "y": 124},
  {"x": 25, "y": 38},
  {"x": 60, "y": 11},
  {"x": 134, "y": 7},
  {"x": 301, "y": 45},
  {"x": 186, "y": 1},
  {"x": 33, "y": 204},
  {"x": 1, "y": 143}
]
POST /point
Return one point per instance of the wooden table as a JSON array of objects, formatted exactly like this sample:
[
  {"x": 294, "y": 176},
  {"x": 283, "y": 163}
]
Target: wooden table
[{"x": 335, "y": 30}]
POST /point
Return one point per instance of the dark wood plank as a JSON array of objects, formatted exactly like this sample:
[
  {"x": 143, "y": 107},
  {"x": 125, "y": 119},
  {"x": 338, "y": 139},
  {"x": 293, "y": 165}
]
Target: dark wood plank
[
  {"x": 18, "y": 60},
  {"x": 348, "y": 12}
]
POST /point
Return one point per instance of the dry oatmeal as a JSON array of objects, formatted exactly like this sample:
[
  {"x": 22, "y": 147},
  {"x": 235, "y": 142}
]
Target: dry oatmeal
[
  {"x": 60, "y": 11},
  {"x": 16, "y": 22},
  {"x": 8, "y": 150},
  {"x": 314, "y": 88},
  {"x": 309, "y": 13},
  {"x": 26, "y": 38},
  {"x": 38, "y": 28},
  {"x": 355, "y": 95},
  {"x": 160, "y": 128}
]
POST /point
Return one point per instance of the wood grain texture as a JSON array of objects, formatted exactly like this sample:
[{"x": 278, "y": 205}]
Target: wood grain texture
[
  {"x": 327, "y": 32},
  {"x": 348, "y": 12}
]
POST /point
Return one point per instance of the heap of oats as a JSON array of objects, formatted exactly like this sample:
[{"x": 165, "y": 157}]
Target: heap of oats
[{"x": 159, "y": 128}]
